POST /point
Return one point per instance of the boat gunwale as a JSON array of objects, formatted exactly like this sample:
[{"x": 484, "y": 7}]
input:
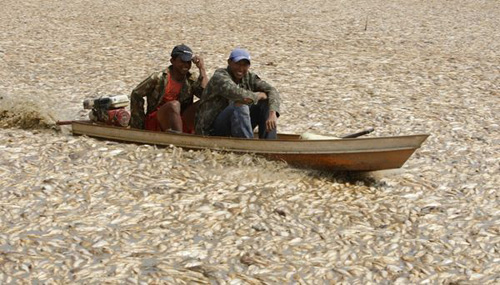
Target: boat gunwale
[{"x": 224, "y": 140}]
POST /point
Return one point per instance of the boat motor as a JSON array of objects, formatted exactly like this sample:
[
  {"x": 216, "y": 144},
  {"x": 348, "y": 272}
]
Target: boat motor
[{"x": 109, "y": 110}]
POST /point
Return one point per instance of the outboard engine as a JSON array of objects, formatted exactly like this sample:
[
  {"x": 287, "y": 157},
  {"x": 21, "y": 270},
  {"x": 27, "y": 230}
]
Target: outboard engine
[{"x": 109, "y": 110}]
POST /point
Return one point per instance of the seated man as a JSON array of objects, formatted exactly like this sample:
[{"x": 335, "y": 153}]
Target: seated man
[
  {"x": 235, "y": 101},
  {"x": 169, "y": 95}
]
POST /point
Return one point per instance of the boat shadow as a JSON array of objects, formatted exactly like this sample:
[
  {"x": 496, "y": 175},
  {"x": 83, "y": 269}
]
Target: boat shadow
[{"x": 364, "y": 178}]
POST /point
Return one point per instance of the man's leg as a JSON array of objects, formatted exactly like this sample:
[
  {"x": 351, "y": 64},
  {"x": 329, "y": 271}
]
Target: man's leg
[
  {"x": 188, "y": 117},
  {"x": 234, "y": 121},
  {"x": 259, "y": 114},
  {"x": 169, "y": 116}
]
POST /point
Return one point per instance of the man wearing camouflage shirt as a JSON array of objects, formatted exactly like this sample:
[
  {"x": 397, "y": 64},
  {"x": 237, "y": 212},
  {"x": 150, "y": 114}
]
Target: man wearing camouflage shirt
[
  {"x": 169, "y": 94},
  {"x": 235, "y": 101}
]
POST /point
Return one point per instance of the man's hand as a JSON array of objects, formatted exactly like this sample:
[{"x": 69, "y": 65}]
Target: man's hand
[
  {"x": 261, "y": 96},
  {"x": 271, "y": 121},
  {"x": 198, "y": 61}
]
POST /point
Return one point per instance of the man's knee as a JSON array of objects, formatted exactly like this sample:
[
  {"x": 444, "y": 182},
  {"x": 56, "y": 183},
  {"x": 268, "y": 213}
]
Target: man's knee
[
  {"x": 241, "y": 110},
  {"x": 172, "y": 106}
]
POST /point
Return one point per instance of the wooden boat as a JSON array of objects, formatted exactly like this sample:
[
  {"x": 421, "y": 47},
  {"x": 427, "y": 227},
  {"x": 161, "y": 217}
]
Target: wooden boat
[{"x": 351, "y": 154}]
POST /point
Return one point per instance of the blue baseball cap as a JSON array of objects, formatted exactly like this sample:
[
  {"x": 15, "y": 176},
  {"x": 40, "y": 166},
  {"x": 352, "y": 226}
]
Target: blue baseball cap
[{"x": 239, "y": 54}]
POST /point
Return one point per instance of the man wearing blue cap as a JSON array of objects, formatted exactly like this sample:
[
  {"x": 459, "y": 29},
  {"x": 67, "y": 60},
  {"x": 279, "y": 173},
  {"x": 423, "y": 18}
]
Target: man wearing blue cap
[
  {"x": 236, "y": 100},
  {"x": 169, "y": 94}
]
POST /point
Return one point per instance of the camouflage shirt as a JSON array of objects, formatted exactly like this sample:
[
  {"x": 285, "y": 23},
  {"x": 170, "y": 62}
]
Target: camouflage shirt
[
  {"x": 222, "y": 88},
  {"x": 153, "y": 88}
]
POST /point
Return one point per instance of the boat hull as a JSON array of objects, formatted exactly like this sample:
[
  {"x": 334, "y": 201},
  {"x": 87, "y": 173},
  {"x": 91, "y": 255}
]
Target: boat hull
[
  {"x": 359, "y": 154},
  {"x": 365, "y": 161}
]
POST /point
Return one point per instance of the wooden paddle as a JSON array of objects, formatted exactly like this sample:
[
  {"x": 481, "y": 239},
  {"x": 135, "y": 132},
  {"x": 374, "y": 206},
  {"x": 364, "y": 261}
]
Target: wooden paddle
[{"x": 358, "y": 134}]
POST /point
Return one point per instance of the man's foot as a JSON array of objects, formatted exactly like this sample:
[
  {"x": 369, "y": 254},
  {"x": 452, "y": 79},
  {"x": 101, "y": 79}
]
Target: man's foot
[{"x": 174, "y": 131}]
